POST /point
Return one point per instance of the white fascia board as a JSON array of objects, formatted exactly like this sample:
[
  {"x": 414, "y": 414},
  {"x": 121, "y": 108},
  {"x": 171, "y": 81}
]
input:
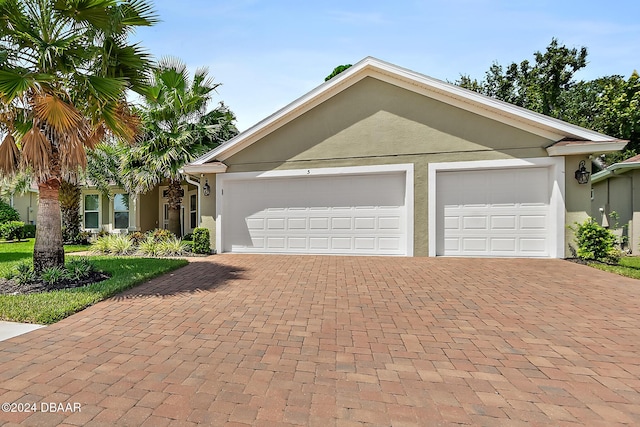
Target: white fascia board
[
  {"x": 512, "y": 115},
  {"x": 195, "y": 169},
  {"x": 614, "y": 169},
  {"x": 586, "y": 148}
]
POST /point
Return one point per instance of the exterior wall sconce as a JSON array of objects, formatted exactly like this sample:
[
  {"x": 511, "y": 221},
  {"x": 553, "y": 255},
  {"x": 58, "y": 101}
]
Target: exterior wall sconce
[
  {"x": 206, "y": 189},
  {"x": 582, "y": 174}
]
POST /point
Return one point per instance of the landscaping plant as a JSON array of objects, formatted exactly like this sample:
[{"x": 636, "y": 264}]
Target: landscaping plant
[
  {"x": 596, "y": 242},
  {"x": 201, "y": 242}
]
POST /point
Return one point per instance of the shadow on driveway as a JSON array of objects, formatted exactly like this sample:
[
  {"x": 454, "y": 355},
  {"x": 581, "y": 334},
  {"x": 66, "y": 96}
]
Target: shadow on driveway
[{"x": 199, "y": 276}]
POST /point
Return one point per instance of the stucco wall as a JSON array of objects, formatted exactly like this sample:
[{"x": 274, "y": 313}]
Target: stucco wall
[
  {"x": 377, "y": 123},
  {"x": 27, "y": 206},
  {"x": 619, "y": 193},
  {"x": 208, "y": 207},
  {"x": 149, "y": 209},
  {"x": 577, "y": 201}
]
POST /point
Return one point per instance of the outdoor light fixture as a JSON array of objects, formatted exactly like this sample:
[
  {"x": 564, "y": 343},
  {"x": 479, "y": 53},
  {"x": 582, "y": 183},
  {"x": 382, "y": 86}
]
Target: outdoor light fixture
[
  {"x": 582, "y": 174},
  {"x": 206, "y": 189}
]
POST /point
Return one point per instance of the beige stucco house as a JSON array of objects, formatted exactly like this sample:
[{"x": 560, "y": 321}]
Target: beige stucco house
[
  {"x": 617, "y": 189},
  {"x": 124, "y": 212},
  {"x": 381, "y": 160},
  {"x": 26, "y": 204}
]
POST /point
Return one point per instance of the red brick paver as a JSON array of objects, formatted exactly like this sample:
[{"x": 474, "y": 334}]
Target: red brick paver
[{"x": 259, "y": 340}]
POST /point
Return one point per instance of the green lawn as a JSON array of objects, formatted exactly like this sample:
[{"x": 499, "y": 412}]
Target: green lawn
[
  {"x": 50, "y": 307},
  {"x": 629, "y": 267}
]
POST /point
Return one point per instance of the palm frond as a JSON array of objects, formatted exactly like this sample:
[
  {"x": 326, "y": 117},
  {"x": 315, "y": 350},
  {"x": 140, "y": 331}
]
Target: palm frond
[
  {"x": 9, "y": 156},
  {"x": 62, "y": 116},
  {"x": 36, "y": 152}
]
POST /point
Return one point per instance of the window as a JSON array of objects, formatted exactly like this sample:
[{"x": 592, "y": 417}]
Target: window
[
  {"x": 91, "y": 211},
  {"x": 121, "y": 211},
  {"x": 193, "y": 210}
]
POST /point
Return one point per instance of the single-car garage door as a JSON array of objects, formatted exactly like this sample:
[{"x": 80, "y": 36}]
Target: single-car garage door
[
  {"x": 335, "y": 214},
  {"x": 504, "y": 213}
]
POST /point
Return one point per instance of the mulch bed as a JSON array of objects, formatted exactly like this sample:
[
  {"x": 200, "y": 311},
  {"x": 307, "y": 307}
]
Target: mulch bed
[{"x": 12, "y": 287}]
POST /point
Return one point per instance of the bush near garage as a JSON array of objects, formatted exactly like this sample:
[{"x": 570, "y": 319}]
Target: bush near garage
[
  {"x": 596, "y": 242},
  {"x": 201, "y": 242}
]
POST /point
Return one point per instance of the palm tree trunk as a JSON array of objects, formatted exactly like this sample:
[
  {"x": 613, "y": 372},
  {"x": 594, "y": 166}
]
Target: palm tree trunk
[
  {"x": 70, "y": 195},
  {"x": 48, "y": 250},
  {"x": 175, "y": 200}
]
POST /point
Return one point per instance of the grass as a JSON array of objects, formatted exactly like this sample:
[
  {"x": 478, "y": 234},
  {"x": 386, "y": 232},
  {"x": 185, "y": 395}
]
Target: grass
[
  {"x": 628, "y": 267},
  {"x": 50, "y": 307}
]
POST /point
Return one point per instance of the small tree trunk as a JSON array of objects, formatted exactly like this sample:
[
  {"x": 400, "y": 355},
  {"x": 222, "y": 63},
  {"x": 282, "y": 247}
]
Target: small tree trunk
[
  {"x": 175, "y": 200},
  {"x": 48, "y": 250}
]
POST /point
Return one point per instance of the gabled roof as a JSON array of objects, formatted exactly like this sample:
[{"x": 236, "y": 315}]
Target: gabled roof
[
  {"x": 616, "y": 169},
  {"x": 584, "y": 141}
]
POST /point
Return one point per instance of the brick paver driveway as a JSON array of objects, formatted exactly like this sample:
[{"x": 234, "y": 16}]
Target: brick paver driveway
[{"x": 323, "y": 341}]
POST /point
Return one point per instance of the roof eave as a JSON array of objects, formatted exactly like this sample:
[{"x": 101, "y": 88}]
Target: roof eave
[
  {"x": 614, "y": 169},
  {"x": 588, "y": 147},
  {"x": 197, "y": 169}
]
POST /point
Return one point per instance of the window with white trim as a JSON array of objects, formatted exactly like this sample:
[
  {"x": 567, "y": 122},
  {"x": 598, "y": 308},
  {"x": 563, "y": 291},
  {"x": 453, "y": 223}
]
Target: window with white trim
[
  {"x": 91, "y": 211},
  {"x": 121, "y": 211},
  {"x": 193, "y": 206}
]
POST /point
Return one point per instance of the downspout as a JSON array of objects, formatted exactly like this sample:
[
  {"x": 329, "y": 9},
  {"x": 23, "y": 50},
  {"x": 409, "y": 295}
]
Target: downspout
[{"x": 197, "y": 184}]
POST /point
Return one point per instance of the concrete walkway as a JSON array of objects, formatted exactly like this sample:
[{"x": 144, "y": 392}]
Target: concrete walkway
[
  {"x": 324, "y": 341},
  {"x": 13, "y": 329}
]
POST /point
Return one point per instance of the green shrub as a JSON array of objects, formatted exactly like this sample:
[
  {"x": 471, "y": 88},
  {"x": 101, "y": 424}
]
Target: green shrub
[
  {"x": 121, "y": 245},
  {"x": 79, "y": 268},
  {"x": 596, "y": 242},
  {"x": 29, "y": 231},
  {"x": 12, "y": 230},
  {"x": 8, "y": 213},
  {"x": 25, "y": 273},
  {"x": 172, "y": 247},
  {"x": 101, "y": 245},
  {"x": 52, "y": 275},
  {"x": 188, "y": 237},
  {"x": 201, "y": 243},
  {"x": 114, "y": 244},
  {"x": 149, "y": 247}
]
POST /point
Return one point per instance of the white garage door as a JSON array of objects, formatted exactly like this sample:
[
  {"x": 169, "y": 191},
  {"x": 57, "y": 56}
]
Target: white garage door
[
  {"x": 344, "y": 214},
  {"x": 501, "y": 213}
]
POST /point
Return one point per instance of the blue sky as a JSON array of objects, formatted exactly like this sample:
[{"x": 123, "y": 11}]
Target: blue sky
[{"x": 266, "y": 53}]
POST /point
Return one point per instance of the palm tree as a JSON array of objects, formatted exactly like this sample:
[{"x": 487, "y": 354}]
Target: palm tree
[
  {"x": 65, "y": 67},
  {"x": 177, "y": 129}
]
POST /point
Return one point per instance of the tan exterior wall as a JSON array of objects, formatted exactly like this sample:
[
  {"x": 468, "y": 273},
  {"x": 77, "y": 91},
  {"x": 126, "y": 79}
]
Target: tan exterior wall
[
  {"x": 373, "y": 123},
  {"x": 148, "y": 211},
  {"x": 27, "y": 206},
  {"x": 208, "y": 208},
  {"x": 619, "y": 193},
  {"x": 577, "y": 201}
]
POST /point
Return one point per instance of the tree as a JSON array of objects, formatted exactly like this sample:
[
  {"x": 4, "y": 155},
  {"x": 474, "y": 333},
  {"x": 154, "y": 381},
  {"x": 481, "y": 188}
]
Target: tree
[
  {"x": 538, "y": 86},
  {"x": 336, "y": 71},
  {"x": 65, "y": 67},
  {"x": 177, "y": 130}
]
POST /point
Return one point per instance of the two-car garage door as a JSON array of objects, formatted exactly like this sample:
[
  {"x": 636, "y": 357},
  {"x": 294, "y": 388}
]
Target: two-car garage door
[{"x": 330, "y": 214}]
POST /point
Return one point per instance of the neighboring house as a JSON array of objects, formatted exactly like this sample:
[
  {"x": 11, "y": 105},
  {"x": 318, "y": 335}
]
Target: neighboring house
[
  {"x": 381, "y": 160},
  {"x": 123, "y": 213},
  {"x": 27, "y": 205},
  {"x": 617, "y": 189}
]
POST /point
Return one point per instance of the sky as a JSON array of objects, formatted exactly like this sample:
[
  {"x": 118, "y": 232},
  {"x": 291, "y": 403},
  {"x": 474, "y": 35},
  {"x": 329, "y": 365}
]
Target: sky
[{"x": 267, "y": 53}]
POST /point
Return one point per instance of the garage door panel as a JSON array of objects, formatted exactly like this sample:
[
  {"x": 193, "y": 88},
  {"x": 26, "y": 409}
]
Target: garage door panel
[
  {"x": 493, "y": 212},
  {"x": 357, "y": 214}
]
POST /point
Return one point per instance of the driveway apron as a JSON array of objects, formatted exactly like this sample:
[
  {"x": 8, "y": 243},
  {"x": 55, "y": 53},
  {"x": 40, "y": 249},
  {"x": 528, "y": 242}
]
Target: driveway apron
[{"x": 324, "y": 341}]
